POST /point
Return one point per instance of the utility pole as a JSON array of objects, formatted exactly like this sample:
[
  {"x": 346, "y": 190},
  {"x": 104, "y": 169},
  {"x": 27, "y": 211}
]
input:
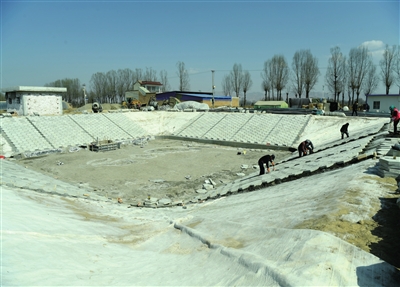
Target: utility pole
[
  {"x": 213, "y": 88},
  {"x": 84, "y": 94}
]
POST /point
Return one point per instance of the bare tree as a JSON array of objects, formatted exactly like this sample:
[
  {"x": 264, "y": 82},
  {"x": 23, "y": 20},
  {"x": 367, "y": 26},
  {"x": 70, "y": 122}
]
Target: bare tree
[
  {"x": 183, "y": 77},
  {"x": 247, "y": 83},
  {"x": 310, "y": 72},
  {"x": 371, "y": 80},
  {"x": 236, "y": 76},
  {"x": 397, "y": 66},
  {"x": 358, "y": 64},
  {"x": 336, "y": 73},
  {"x": 280, "y": 71},
  {"x": 164, "y": 80},
  {"x": 227, "y": 85},
  {"x": 111, "y": 86},
  {"x": 74, "y": 93},
  {"x": 124, "y": 82},
  {"x": 387, "y": 65},
  {"x": 138, "y": 75},
  {"x": 297, "y": 72},
  {"x": 150, "y": 75},
  {"x": 267, "y": 81},
  {"x": 98, "y": 83},
  {"x": 266, "y": 86}
]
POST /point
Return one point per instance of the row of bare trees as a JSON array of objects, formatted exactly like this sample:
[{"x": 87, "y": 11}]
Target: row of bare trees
[
  {"x": 74, "y": 89},
  {"x": 276, "y": 76},
  {"x": 357, "y": 74},
  {"x": 110, "y": 87},
  {"x": 237, "y": 81}
]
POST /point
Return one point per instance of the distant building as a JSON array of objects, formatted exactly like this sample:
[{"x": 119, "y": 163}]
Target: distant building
[
  {"x": 143, "y": 91},
  {"x": 200, "y": 97},
  {"x": 265, "y": 105},
  {"x": 25, "y": 101},
  {"x": 299, "y": 102},
  {"x": 148, "y": 86},
  {"x": 382, "y": 102}
]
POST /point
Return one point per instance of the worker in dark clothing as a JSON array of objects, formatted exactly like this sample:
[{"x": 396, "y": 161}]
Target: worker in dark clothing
[
  {"x": 355, "y": 108},
  {"x": 266, "y": 159},
  {"x": 345, "y": 130},
  {"x": 305, "y": 146}
]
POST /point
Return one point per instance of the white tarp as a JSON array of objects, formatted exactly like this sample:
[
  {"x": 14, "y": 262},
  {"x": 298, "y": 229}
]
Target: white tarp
[{"x": 191, "y": 105}]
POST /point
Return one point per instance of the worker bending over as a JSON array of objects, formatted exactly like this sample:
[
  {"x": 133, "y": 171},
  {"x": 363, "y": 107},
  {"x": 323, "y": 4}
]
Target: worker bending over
[
  {"x": 304, "y": 147},
  {"x": 344, "y": 130},
  {"x": 266, "y": 159}
]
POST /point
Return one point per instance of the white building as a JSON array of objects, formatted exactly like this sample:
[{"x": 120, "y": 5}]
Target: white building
[
  {"x": 150, "y": 86},
  {"x": 381, "y": 102},
  {"x": 27, "y": 101}
]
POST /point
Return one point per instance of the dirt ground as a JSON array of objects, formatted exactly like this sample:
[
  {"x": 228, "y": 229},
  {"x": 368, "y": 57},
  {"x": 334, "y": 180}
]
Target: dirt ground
[
  {"x": 176, "y": 169},
  {"x": 160, "y": 168}
]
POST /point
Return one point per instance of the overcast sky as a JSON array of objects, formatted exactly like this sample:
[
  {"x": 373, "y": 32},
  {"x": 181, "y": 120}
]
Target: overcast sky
[{"x": 43, "y": 41}]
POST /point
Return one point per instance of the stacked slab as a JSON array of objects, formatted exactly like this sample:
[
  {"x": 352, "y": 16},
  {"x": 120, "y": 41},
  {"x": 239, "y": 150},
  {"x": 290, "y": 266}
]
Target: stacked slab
[
  {"x": 293, "y": 168},
  {"x": 99, "y": 127},
  {"x": 23, "y": 135},
  {"x": 389, "y": 166},
  {"x": 256, "y": 128},
  {"x": 60, "y": 131}
]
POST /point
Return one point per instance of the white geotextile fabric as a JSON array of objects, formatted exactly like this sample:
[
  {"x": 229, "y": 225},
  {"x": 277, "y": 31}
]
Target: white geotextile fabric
[{"x": 247, "y": 239}]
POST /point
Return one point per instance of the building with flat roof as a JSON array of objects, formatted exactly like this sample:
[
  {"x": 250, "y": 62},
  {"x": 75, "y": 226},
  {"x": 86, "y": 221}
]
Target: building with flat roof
[
  {"x": 382, "y": 102},
  {"x": 25, "y": 100}
]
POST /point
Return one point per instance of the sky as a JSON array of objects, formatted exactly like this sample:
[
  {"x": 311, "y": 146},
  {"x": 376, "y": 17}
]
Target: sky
[{"x": 44, "y": 41}]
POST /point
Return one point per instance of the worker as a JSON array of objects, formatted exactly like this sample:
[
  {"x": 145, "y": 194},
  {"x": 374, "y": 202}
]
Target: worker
[
  {"x": 305, "y": 146},
  {"x": 355, "y": 108},
  {"x": 345, "y": 130},
  {"x": 266, "y": 159},
  {"x": 394, "y": 117}
]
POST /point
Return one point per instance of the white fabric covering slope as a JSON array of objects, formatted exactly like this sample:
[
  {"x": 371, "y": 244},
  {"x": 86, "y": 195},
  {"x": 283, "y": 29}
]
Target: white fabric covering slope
[{"x": 245, "y": 239}]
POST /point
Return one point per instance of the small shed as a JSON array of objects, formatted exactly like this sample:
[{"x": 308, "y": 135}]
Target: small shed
[
  {"x": 265, "y": 105},
  {"x": 382, "y": 102},
  {"x": 25, "y": 100}
]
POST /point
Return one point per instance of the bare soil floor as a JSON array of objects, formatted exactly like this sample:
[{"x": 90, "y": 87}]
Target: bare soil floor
[
  {"x": 176, "y": 169},
  {"x": 160, "y": 168}
]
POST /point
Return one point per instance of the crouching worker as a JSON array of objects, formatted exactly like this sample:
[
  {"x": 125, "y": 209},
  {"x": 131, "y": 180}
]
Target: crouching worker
[
  {"x": 304, "y": 147},
  {"x": 266, "y": 159},
  {"x": 345, "y": 130}
]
